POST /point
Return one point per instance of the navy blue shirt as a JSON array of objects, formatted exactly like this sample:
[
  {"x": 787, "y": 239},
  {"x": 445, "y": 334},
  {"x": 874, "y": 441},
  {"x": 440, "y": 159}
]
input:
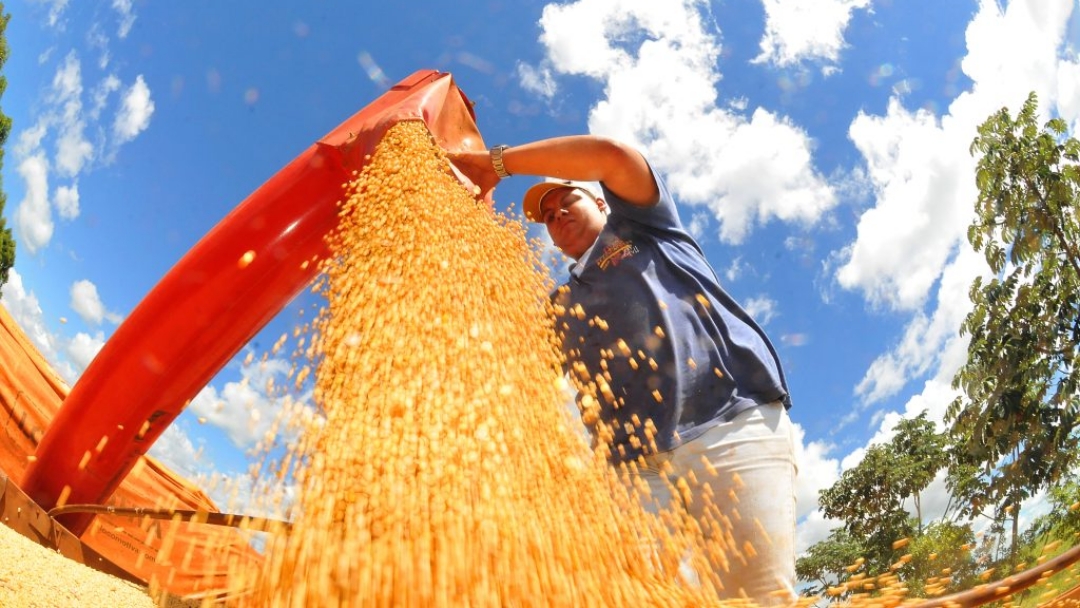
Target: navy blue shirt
[{"x": 651, "y": 336}]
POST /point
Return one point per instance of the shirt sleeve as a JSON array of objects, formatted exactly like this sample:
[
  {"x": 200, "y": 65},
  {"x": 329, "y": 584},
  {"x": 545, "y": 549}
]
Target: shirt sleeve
[{"x": 662, "y": 215}]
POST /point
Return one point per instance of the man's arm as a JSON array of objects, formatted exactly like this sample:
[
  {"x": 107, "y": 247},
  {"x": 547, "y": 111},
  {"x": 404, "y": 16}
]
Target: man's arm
[{"x": 575, "y": 157}]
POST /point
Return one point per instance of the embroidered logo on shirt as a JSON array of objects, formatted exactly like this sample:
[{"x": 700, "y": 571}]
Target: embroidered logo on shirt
[{"x": 616, "y": 252}]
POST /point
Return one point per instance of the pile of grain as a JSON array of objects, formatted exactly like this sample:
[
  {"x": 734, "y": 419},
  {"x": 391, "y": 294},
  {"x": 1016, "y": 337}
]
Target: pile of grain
[{"x": 34, "y": 576}]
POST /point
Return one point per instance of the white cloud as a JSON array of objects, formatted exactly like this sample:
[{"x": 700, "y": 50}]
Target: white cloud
[
  {"x": 813, "y": 529},
  {"x": 100, "y": 95},
  {"x": 231, "y": 492},
  {"x": 33, "y": 217},
  {"x": 72, "y": 149},
  {"x": 61, "y": 124},
  {"x": 68, "y": 356},
  {"x": 67, "y": 201},
  {"x": 817, "y": 471},
  {"x": 735, "y": 269},
  {"x": 86, "y": 302},
  {"x": 98, "y": 40},
  {"x": 264, "y": 496},
  {"x": 82, "y": 349},
  {"x": 577, "y": 35},
  {"x": 1069, "y": 95},
  {"x": 854, "y": 457},
  {"x": 745, "y": 172},
  {"x": 1036, "y": 57},
  {"x": 802, "y": 30},
  {"x": 538, "y": 81},
  {"x": 661, "y": 96},
  {"x": 23, "y": 306},
  {"x": 923, "y": 175},
  {"x": 934, "y": 399},
  {"x": 30, "y": 140},
  {"x": 928, "y": 342},
  {"x": 886, "y": 375},
  {"x": 175, "y": 450},
  {"x": 125, "y": 16},
  {"x": 762, "y": 308},
  {"x": 56, "y": 10},
  {"x": 698, "y": 224},
  {"x": 245, "y": 410},
  {"x": 135, "y": 111},
  {"x": 250, "y": 418}
]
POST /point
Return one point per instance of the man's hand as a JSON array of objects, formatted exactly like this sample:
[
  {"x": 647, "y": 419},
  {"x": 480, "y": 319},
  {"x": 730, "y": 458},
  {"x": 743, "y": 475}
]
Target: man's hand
[{"x": 475, "y": 165}]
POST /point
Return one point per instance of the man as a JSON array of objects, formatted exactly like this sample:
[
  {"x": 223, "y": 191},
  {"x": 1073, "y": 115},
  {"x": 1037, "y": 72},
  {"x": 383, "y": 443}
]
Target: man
[{"x": 674, "y": 377}]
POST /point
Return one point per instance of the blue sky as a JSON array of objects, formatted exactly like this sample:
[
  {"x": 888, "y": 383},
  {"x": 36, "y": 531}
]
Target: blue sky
[{"x": 818, "y": 149}]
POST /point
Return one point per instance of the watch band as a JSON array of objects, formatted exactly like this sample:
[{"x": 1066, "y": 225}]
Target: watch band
[{"x": 497, "y": 161}]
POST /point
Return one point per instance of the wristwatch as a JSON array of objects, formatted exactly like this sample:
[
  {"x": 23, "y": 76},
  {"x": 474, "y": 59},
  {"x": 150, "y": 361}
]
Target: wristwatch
[{"x": 497, "y": 161}]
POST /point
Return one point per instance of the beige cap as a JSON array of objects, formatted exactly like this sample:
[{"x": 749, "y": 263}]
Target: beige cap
[{"x": 530, "y": 204}]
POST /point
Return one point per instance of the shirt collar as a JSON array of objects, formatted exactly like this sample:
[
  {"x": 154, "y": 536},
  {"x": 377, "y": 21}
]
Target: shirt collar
[{"x": 578, "y": 267}]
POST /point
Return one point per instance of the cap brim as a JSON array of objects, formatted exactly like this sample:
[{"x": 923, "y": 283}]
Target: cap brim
[{"x": 530, "y": 204}]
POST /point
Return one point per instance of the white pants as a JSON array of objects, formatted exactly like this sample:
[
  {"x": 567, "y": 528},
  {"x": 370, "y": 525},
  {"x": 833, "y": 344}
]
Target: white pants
[{"x": 750, "y": 512}]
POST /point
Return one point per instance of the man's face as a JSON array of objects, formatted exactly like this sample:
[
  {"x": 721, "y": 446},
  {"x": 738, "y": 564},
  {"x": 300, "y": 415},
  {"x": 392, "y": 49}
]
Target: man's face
[{"x": 573, "y": 219}]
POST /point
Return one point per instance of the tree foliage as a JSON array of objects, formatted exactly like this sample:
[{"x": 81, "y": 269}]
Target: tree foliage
[
  {"x": 1063, "y": 518},
  {"x": 874, "y": 491},
  {"x": 941, "y": 560},
  {"x": 869, "y": 497},
  {"x": 1014, "y": 426},
  {"x": 920, "y": 452},
  {"x": 7, "y": 242},
  {"x": 829, "y": 564}
]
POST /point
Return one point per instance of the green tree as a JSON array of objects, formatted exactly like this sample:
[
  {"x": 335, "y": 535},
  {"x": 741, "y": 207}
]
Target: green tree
[
  {"x": 1063, "y": 519},
  {"x": 941, "y": 560},
  {"x": 1014, "y": 426},
  {"x": 869, "y": 497},
  {"x": 920, "y": 453},
  {"x": 867, "y": 500},
  {"x": 829, "y": 564},
  {"x": 7, "y": 242}
]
